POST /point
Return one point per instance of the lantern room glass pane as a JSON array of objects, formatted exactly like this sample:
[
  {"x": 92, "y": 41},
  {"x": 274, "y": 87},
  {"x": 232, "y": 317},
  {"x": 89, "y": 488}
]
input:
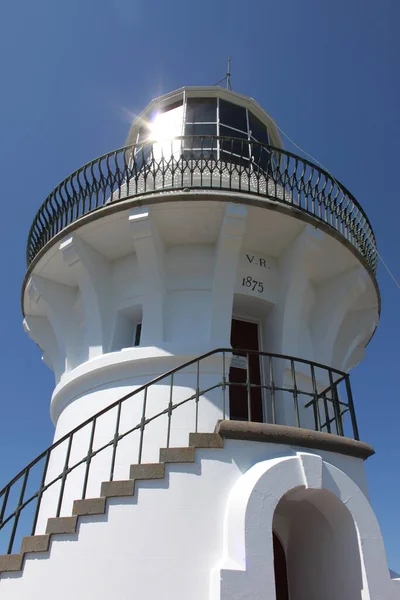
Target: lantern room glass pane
[
  {"x": 201, "y": 129},
  {"x": 172, "y": 106},
  {"x": 144, "y": 134},
  {"x": 232, "y": 115},
  {"x": 234, "y": 143},
  {"x": 258, "y": 130},
  {"x": 204, "y": 130},
  {"x": 201, "y": 110}
]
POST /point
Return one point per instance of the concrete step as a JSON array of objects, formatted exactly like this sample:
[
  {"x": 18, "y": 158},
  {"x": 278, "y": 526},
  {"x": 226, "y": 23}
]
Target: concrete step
[
  {"x": 89, "y": 506},
  {"x": 61, "y": 525},
  {"x": 177, "y": 455},
  {"x": 35, "y": 543},
  {"x": 11, "y": 562},
  {"x": 118, "y": 489},
  {"x": 147, "y": 471}
]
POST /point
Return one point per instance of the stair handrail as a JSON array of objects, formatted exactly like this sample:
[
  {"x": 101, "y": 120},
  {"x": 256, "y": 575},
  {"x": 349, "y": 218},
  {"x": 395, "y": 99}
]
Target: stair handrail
[{"x": 333, "y": 414}]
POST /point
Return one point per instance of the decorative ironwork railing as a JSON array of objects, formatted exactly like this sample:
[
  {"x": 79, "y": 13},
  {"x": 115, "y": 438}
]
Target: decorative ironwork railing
[
  {"x": 210, "y": 162},
  {"x": 248, "y": 386}
]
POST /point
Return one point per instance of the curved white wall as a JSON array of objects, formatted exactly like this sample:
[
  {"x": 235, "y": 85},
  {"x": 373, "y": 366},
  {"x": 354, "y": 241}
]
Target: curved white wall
[
  {"x": 183, "y": 269},
  {"x": 173, "y": 538}
]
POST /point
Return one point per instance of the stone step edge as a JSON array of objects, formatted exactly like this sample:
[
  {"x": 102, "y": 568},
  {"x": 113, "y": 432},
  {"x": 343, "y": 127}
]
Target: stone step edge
[{"x": 109, "y": 489}]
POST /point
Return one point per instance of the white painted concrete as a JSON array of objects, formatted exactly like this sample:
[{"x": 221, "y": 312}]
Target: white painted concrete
[
  {"x": 88, "y": 304},
  {"x": 331, "y": 537},
  {"x": 175, "y": 536}
]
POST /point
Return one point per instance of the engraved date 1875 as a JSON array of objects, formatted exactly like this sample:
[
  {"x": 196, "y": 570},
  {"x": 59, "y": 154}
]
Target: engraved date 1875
[{"x": 253, "y": 284}]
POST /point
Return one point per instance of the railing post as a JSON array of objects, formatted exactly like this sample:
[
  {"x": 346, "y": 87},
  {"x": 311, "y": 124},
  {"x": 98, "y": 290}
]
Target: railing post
[
  {"x": 4, "y": 505},
  {"x": 317, "y": 417},
  {"x": 142, "y": 426},
  {"x": 64, "y": 476},
  {"x": 197, "y": 395},
  {"x": 336, "y": 405},
  {"x": 89, "y": 458},
  {"x": 351, "y": 407},
  {"x": 18, "y": 512},
  {"x": 295, "y": 398},
  {"x": 223, "y": 386},
  {"x": 170, "y": 409},
  {"x": 272, "y": 386},
  {"x": 40, "y": 493},
  {"x": 248, "y": 385},
  {"x": 327, "y": 415},
  {"x": 115, "y": 442}
]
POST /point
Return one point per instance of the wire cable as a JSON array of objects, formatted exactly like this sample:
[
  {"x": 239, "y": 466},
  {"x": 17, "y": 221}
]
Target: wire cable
[
  {"x": 220, "y": 81},
  {"x": 327, "y": 170}
]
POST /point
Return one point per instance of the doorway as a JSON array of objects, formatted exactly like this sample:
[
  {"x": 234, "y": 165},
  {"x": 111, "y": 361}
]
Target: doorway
[
  {"x": 245, "y": 369},
  {"x": 280, "y": 569}
]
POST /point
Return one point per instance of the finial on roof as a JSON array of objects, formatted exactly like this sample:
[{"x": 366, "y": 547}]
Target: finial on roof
[{"x": 227, "y": 77}]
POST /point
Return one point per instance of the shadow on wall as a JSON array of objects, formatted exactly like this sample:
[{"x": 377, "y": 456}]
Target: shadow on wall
[{"x": 320, "y": 543}]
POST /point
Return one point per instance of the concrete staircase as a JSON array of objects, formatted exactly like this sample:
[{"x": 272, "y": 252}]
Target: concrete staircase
[{"x": 109, "y": 489}]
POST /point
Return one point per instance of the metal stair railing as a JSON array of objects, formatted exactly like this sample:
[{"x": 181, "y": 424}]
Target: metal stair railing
[{"x": 279, "y": 382}]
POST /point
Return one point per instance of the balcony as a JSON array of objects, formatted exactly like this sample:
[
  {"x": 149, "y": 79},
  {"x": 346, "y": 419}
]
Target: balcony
[
  {"x": 289, "y": 401},
  {"x": 256, "y": 172}
]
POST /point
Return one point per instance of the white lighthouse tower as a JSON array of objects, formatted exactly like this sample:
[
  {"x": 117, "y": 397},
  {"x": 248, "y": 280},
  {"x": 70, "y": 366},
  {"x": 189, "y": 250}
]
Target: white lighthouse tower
[{"x": 201, "y": 295}]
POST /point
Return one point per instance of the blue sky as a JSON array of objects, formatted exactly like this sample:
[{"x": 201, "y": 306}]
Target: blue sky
[{"x": 72, "y": 72}]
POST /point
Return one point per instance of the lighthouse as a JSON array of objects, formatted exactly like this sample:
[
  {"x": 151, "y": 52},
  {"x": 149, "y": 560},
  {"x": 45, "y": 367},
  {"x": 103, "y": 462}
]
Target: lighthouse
[{"x": 201, "y": 295}]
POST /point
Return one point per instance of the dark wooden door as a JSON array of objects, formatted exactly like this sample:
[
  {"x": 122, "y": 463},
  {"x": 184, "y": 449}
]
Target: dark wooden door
[
  {"x": 280, "y": 569},
  {"x": 244, "y": 336}
]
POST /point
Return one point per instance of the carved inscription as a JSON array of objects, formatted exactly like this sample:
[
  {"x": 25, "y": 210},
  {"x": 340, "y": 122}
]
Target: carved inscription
[
  {"x": 258, "y": 261},
  {"x": 255, "y": 285},
  {"x": 256, "y": 265}
]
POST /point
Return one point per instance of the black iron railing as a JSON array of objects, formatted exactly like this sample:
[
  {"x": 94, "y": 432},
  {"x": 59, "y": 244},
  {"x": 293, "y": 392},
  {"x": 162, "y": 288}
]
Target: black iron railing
[
  {"x": 197, "y": 162},
  {"x": 246, "y": 385}
]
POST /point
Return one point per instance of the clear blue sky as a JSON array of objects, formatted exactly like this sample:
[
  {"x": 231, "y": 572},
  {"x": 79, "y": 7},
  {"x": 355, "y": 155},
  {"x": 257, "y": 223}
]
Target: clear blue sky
[{"x": 326, "y": 70}]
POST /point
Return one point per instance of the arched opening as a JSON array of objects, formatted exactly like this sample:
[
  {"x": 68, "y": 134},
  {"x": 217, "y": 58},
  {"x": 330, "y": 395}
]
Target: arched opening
[
  {"x": 280, "y": 569},
  {"x": 318, "y": 545}
]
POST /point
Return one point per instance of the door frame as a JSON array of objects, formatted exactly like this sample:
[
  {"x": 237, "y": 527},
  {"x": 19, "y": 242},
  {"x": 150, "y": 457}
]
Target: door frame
[{"x": 257, "y": 321}]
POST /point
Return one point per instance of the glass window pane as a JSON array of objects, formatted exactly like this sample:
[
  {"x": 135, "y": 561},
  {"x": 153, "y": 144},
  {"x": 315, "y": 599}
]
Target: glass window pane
[
  {"x": 257, "y": 129},
  {"x": 233, "y": 115},
  {"x": 231, "y": 133},
  {"x": 167, "y": 124},
  {"x": 144, "y": 134},
  {"x": 143, "y": 155},
  {"x": 203, "y": 131},
  {"x": 230, "y": 144},
  {"x": 171, "y": 106},
  {"x": 228, "y": 157},
  {"x": 209, "y": 155},
  {"x": 207, "y": 129},
  {"x": 201, "y": 110}
]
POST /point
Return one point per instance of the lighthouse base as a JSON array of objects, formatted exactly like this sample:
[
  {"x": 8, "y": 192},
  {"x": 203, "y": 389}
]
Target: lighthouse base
[{"x": 206, "y": 530}]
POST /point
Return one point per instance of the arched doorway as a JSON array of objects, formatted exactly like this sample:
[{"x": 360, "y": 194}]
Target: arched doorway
[
  {"x": 321, "y": 557},
  {"x": 280, "y": 569}
]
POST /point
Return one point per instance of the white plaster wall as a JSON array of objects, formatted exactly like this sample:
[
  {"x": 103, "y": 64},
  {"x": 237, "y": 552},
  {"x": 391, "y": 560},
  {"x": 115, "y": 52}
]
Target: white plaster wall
[
  {"x": 163, "y": 543},
  {"x": 95, "y": 393},
  {"x": 184, "y": 289},
  {"x": 187, "y": 290}
]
